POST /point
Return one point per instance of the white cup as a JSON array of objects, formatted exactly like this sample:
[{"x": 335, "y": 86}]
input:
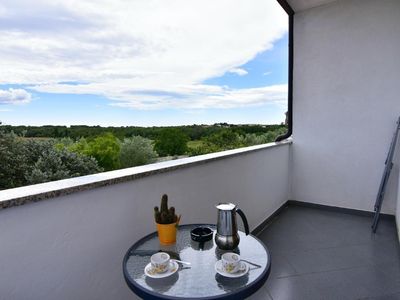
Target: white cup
[
  {"x": 230, "y": 262},
  {"x": 160, "y": 262}
]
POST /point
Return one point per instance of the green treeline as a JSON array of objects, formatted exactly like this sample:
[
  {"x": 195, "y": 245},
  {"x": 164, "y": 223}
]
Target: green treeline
[
  {"x": 36, "y": 154},
  {"x": 194, "y": 132}
]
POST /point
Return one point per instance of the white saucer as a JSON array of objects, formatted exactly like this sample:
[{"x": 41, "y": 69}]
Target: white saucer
[
  {"x": 243, "y": 270},
  {"x": 173, "y": 267}
]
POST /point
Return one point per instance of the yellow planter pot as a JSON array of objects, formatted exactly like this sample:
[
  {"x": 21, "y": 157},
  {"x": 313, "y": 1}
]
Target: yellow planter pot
[{"x": 167, "y": 233}]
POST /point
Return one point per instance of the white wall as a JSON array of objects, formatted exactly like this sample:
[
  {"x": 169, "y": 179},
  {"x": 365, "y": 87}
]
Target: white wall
[
  {"x": 72, "y": 247},
  {"x": 346, "y": 102}
]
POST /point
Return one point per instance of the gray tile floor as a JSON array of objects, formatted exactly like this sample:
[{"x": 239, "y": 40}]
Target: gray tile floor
[{"x": 319, "y": 254}]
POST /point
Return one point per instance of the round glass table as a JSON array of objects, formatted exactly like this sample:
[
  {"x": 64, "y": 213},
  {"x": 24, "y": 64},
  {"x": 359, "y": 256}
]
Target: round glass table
[{"x": 200, "y": 280}]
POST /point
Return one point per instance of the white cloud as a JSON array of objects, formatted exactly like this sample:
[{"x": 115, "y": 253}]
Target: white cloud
[
  {"x": 238, "y": 71},
  {"x": 204, "y": 96},
  {"x": 14, "y": 96},
  {"x": 119, "y": 46},
  {"x": 195, "y": 96},
  {"x": 267, "y": 73}
]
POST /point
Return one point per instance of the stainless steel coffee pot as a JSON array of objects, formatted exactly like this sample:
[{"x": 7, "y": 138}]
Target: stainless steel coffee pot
[{"x": 227, "y": 236}]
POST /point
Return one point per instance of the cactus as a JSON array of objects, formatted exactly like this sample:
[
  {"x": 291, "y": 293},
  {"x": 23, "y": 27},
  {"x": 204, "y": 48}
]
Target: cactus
[
  {"x": 171, "y": 214},
  {"x": 157, "y": 215},
  {"x": 164, "y": 203},
  {"x": 164, "y": 218},
  {"x": 165, "y": 215}
]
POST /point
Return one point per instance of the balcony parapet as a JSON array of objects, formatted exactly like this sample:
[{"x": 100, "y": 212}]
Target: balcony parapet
[{"x": 38, "y": 192}]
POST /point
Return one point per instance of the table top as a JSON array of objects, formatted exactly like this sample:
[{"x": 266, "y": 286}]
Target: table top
[{"x": 200, "y": 280}]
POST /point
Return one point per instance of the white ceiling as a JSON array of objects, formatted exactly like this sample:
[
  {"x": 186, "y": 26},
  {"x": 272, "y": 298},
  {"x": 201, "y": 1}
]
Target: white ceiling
[{"x": 299, "y": 5}]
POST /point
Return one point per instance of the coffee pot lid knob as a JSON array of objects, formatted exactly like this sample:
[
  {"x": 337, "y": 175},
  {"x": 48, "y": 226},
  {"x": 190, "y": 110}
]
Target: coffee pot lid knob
[{"x": 226, "y": 206}]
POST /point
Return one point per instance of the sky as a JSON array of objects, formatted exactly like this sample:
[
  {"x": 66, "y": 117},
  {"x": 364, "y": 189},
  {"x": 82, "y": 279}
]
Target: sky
[{"x": 142, "y": 62}]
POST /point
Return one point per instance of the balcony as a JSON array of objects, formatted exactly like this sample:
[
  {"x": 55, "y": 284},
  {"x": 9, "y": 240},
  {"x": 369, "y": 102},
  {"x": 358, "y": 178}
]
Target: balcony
[
  {"x": 66, "y": 239},
  {"x": 71, "y": 246}
]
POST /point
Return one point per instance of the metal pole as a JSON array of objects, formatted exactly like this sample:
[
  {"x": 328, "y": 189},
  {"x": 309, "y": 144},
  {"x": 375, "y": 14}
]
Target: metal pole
[{"x": 385, "y": 177}]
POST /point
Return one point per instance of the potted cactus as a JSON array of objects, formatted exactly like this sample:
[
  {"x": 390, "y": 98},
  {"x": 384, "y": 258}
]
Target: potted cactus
[{"x": 167, "y": 222}]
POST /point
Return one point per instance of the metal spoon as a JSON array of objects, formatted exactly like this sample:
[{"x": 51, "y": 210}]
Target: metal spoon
[
  {"x": 251, "y": 263},
  {"x": 182, "y": 262}
]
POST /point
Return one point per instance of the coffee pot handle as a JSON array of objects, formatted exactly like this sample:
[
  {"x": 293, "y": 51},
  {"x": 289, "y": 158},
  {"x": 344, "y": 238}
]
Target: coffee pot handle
[{"x": 244, "y": 219}]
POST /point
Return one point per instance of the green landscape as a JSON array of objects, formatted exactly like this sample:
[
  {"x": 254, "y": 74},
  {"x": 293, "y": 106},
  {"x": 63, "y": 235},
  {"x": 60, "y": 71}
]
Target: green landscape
[{"x": 36, "y": 154}]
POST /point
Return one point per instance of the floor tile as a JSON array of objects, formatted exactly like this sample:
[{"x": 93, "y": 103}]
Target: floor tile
[
  {"x": 395, "y": 296},
  {"x": 261, "y": 294},
  {"x": 320, "y": 254},
  {"x": 344, "y": 284},
  {"x": 281, "y": 267}
]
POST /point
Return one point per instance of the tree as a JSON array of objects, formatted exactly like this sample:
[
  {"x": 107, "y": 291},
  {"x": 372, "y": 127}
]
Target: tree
[
  {"x": 56, "y": 164},
  {"x": 35, "y": 161},
  {"x": 79, "y": 164},
  {"x": 80, "y": 146},
  {"x": 224, "y": 139},
  {"x": 64, "y": 143},
  {"x": 251, "y": 139},
  {"x": 136, "y": 151},
  {"x": 171, "y": 141},
  {"x": 13, "y": 161},
  {"x": 105, "y": 149},
  {"x": 48, "y": 167},
  {"x": 204, "y": 148}
]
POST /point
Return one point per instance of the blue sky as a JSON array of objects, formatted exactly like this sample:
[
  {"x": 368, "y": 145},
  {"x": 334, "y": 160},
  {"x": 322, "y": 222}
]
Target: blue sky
[{"x": 165, "y": 75}]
